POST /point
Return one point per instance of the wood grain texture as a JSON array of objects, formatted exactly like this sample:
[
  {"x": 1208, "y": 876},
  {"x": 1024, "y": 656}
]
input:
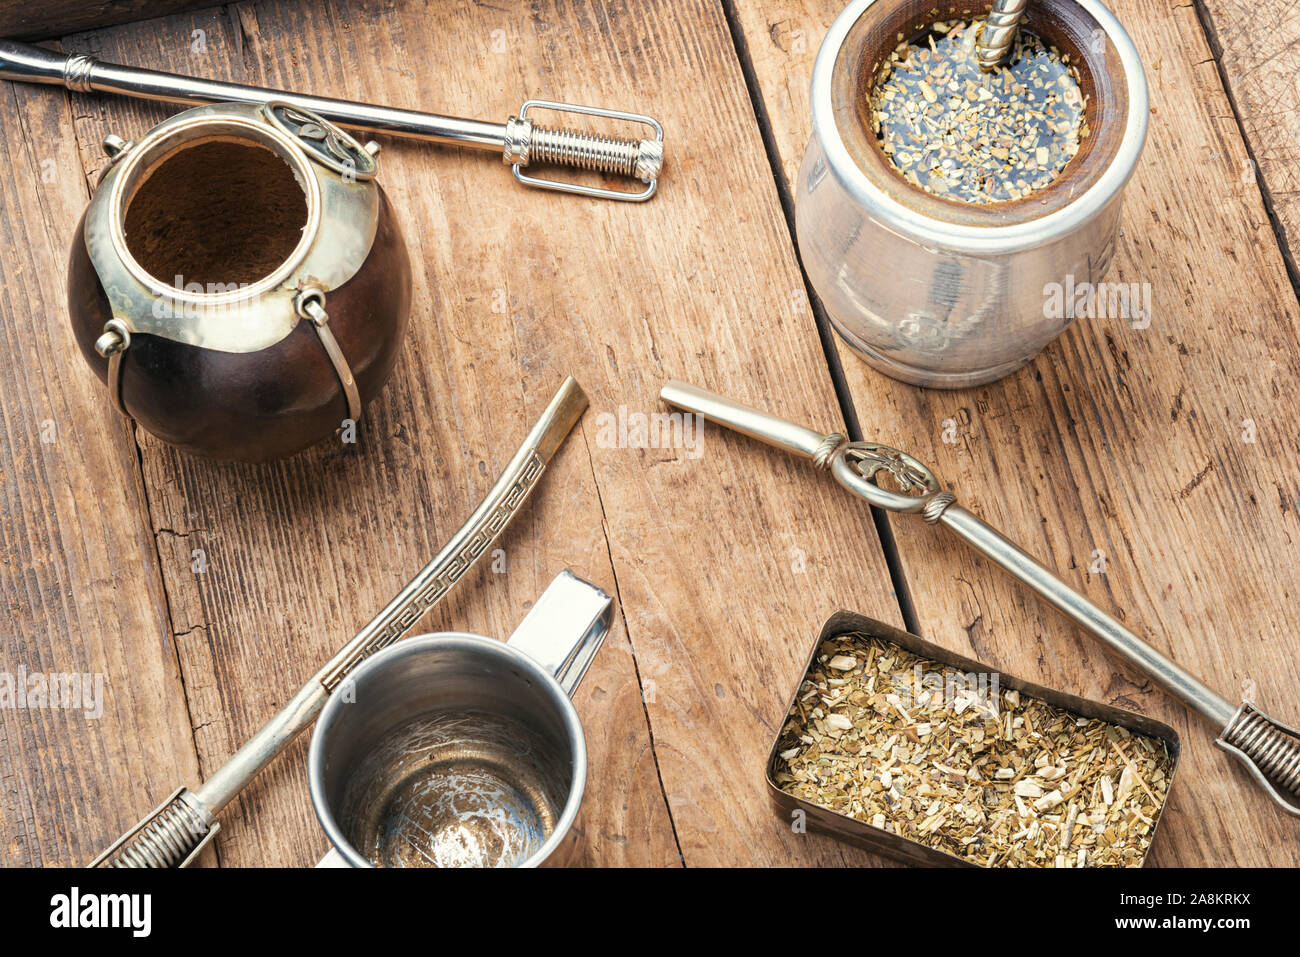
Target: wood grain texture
[
  {"x": 724, "y": 576},
  {"x": 300, "y": 554},
  {"x": 78, "y": 565},
  {"x": 1128, "y": 442},
  {"x": 55, "y": 18},
  {"x": 1255, "y": 47}
]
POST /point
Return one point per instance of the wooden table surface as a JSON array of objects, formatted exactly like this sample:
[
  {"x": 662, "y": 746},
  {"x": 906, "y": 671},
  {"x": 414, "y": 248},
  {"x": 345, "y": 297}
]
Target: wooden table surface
[{"x": 207, "y": 593}]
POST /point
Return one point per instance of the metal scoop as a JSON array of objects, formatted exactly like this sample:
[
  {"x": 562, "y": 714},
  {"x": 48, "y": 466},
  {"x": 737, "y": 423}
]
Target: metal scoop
[
  {"x": 1268, "y": 748},
  {"x": 519, "y": 140}
]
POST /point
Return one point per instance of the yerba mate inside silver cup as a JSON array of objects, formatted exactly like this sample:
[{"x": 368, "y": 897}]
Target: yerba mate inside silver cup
[
  {"x": 935, "y": 291},
  {"x": 455, "y": 750}
]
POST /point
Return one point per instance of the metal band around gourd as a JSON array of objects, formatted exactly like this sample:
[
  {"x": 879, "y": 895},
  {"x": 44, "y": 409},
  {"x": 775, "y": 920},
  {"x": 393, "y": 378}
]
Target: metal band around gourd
[
  {"x": 250, "y": 317},
  {"x": 310, "y": 303}
]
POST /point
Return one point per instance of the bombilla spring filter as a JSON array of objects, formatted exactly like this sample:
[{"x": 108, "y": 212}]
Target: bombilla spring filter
[
  {"x": 171, "y": 836},
  {"x": 527, "y": 143},
  {"x": 1270, "y": 750}
]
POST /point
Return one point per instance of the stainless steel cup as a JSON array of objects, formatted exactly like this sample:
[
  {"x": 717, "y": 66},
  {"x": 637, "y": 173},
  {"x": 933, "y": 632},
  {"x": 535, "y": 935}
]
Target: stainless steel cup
[
  {"x": 934, "y": 291},
  {"x": 456, "y": 750}
]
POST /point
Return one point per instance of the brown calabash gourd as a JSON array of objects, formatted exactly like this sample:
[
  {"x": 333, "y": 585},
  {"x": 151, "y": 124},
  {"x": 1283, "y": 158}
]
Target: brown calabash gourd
[{"x": 240, "y": 281}]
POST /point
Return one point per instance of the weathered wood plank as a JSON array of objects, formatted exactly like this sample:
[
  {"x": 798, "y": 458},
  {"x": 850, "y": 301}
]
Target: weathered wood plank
[
  {"x": 723, "y": 575},
  {"x": 1255, "y": 45},
  {"x": 1171, "y": 450},
  {"x": 299, "y": 555},
  {"x": 78, "y": 566},
  {"x": 54, "y": 18}
]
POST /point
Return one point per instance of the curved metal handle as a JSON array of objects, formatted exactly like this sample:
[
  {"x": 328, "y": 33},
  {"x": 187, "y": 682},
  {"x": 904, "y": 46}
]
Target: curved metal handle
[
  {"x": 31, "y": 64},
  {"x": 854, "y": 464},
  {"x": 769, "y": 429},
  {"x": 496, "y": 510},
  {"x": 565, "y": 628}
]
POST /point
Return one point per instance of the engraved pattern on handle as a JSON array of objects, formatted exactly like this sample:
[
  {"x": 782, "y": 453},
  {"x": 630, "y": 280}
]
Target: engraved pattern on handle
[
  {"x": 443, "y": 578},
  {"x": 502, "y": 502}
]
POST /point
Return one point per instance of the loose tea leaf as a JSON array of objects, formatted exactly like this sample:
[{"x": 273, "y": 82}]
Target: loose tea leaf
[
  {"x": 982, "y": 137},
  {"x": 995, "y": 777}
]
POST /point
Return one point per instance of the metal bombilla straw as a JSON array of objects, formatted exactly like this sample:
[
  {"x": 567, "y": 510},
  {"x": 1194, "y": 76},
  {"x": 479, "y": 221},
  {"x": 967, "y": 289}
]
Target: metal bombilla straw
[
  {"x": 1268, "y": 748},
  {"x": 176, "y": 831},
  {"x": 994, "y": 40},
  {"x": 520, "y": 141}
]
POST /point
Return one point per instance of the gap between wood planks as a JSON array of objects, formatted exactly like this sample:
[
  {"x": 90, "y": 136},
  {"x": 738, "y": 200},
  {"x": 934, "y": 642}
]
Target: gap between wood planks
[
  {"x": 636, "y": 665},
  {"x": 885, "y": 531},
  {"x": 167, "y": 598},
  {"x": 826, "y": 333},
  {"x": 60, "y": 241},
  {"x": 148, "y": 505},
  {"x": 1266, "y": 195},
  {"x": 236, "y": 15}
]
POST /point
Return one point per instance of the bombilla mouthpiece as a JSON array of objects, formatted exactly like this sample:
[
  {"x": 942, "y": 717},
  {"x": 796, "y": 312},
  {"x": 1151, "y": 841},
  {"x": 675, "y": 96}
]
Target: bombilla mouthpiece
[
  {"x": 994, "y": 40},
  {"x": 1270, "y": 750}
]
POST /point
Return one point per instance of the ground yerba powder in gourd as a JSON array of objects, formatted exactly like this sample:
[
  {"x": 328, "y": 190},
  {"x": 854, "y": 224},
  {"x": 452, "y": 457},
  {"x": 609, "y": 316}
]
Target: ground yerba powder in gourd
[{"x": 978, "y": 136}]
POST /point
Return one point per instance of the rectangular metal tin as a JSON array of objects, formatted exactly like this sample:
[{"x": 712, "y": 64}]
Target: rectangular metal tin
[{"x": 904, "y": 849}]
